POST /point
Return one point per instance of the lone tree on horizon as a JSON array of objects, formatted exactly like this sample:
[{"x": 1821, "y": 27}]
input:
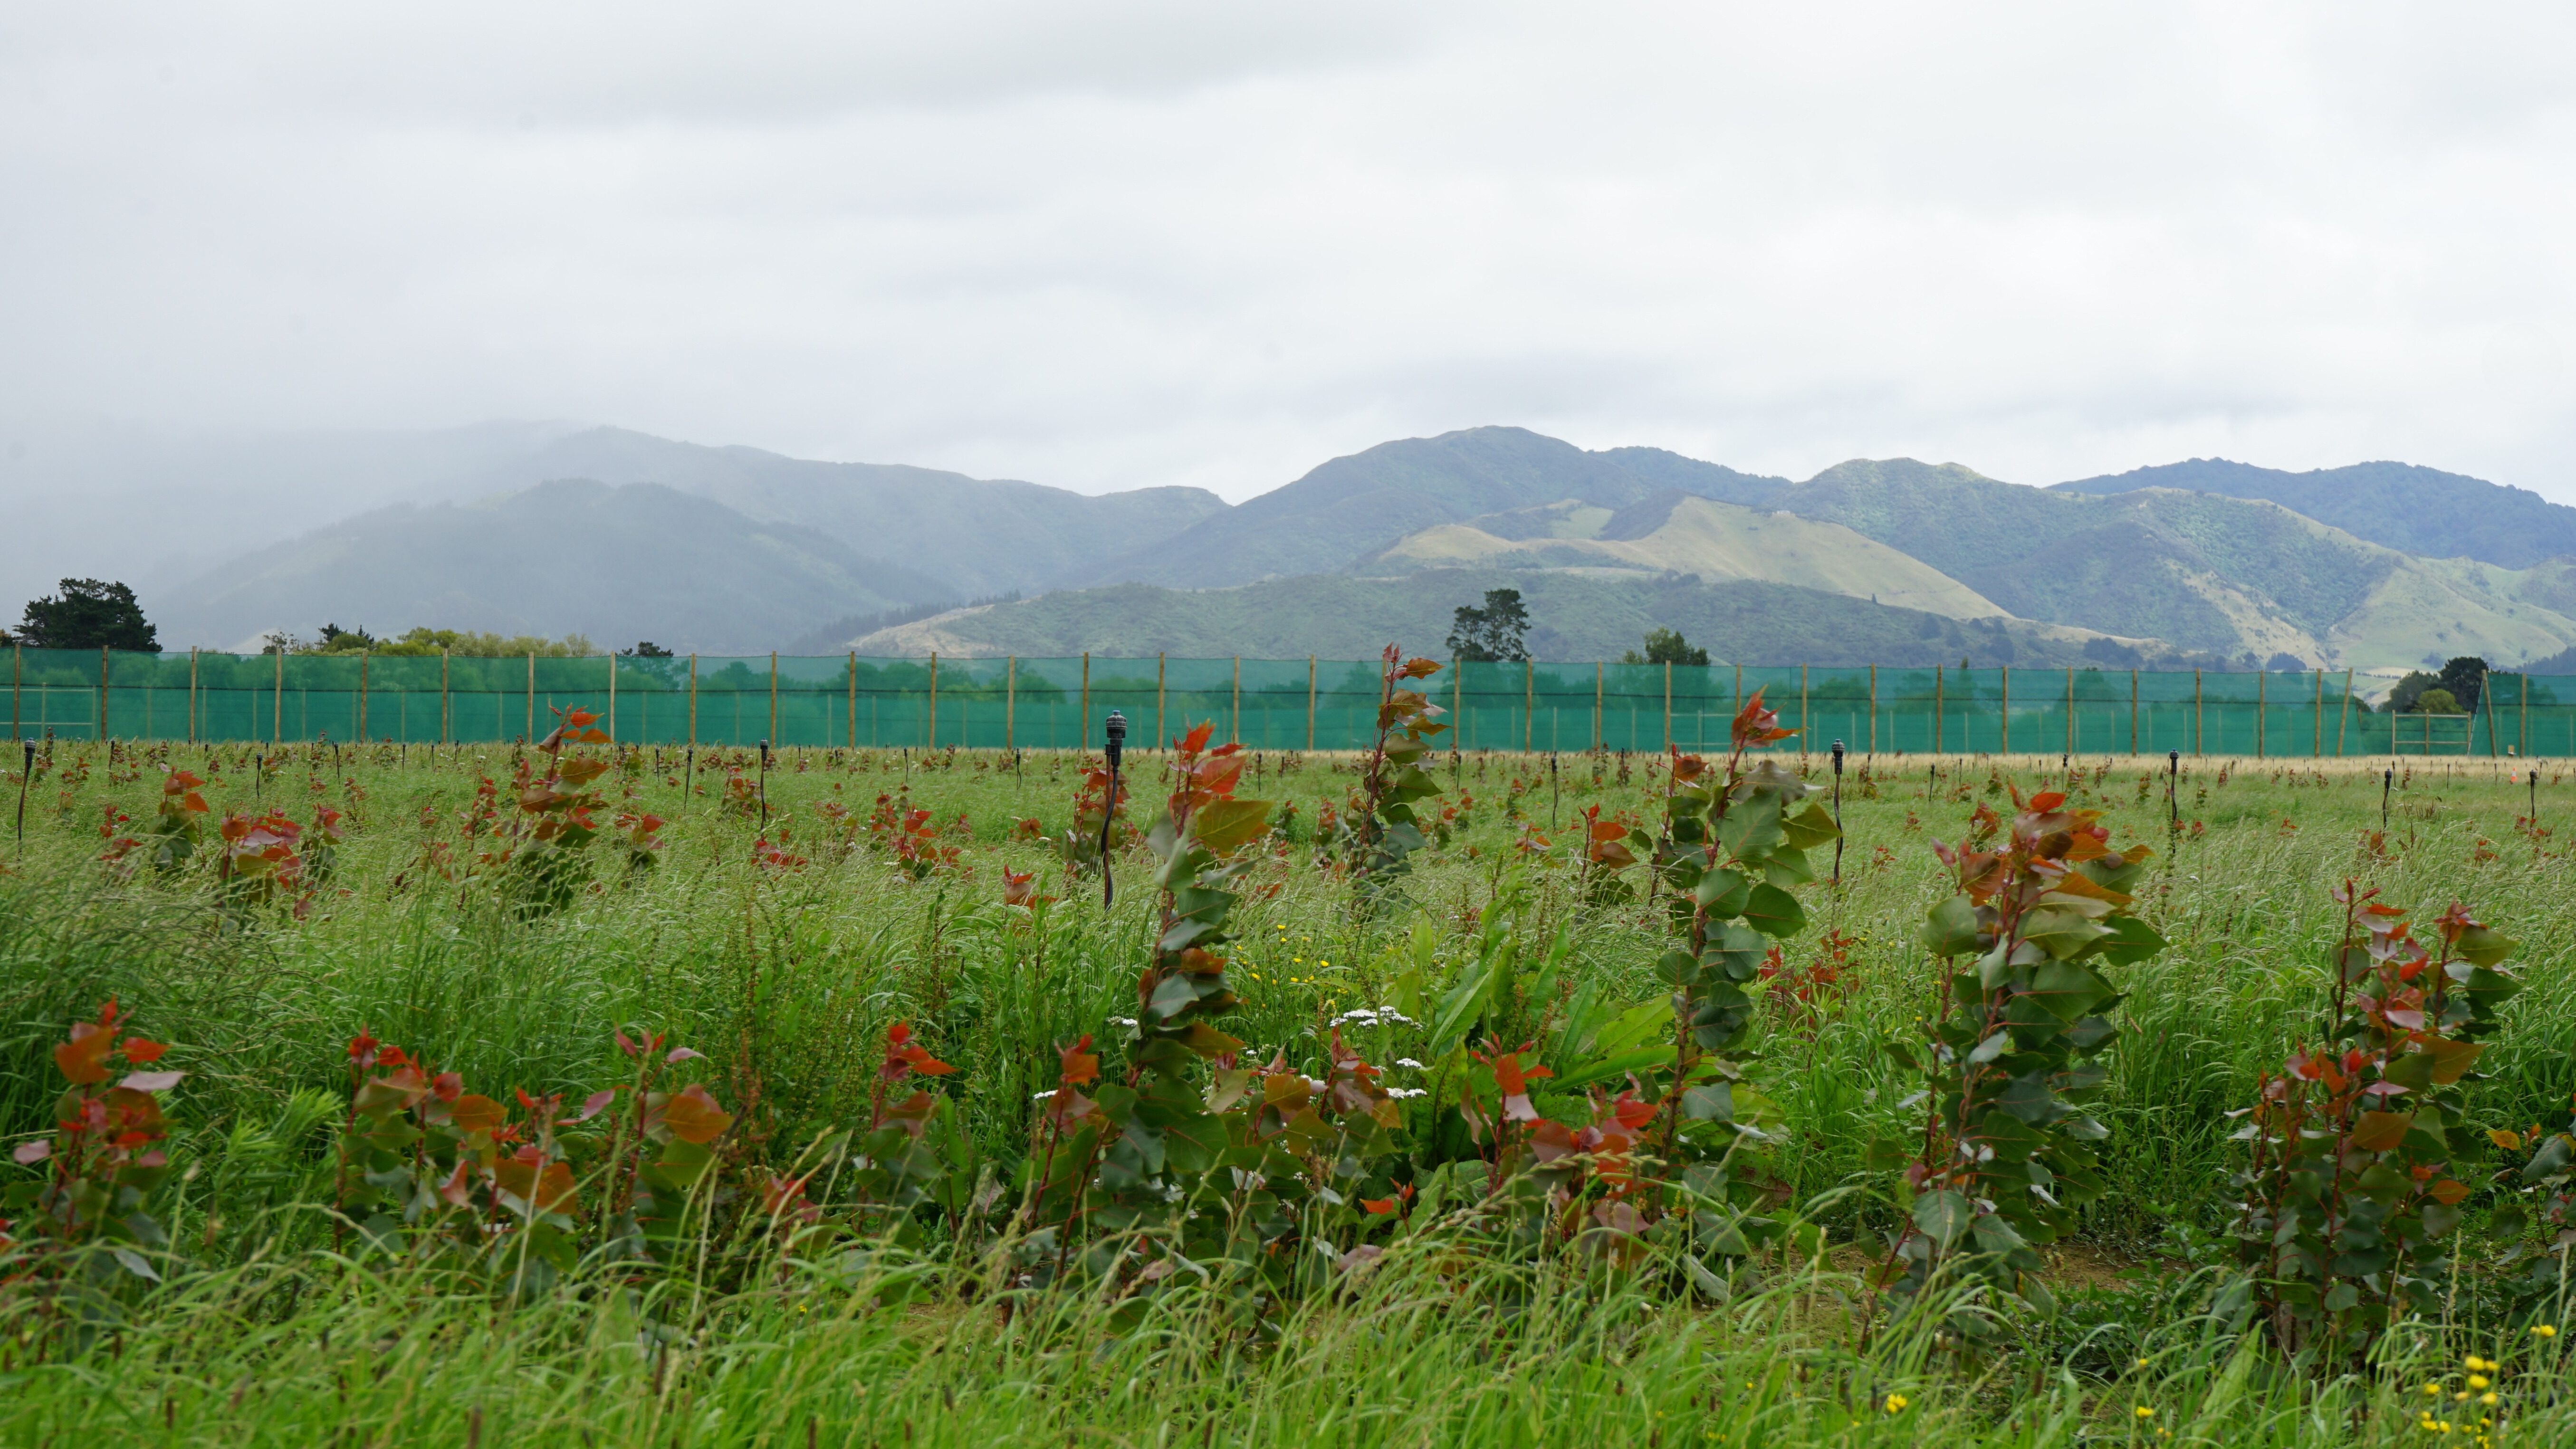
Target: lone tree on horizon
[
  {"x": 1493, "y": 634},
  {"x": 1667, "y": 646},
  {"x": 89, "y": 614}
]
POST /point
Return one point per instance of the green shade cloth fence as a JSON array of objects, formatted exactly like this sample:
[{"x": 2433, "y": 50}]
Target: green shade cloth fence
[{"x": 1265, "y": 703}]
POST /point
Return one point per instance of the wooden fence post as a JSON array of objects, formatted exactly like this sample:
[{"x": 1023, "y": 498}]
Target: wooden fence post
[
  {"x": 1234, "y": 729},
  {"x": 1160, "y": 739},
  {"x": 362, "y": 694},
  {"x": 773, "y": 697},
  {"x": 192, "y": 695},
  {"x": 1011, "y": 703},
  {"x": 1457, "y": 705},
  {"x": 98, "y": 729},
  {"x": 932, "y": 742},
  {"x": 1310, "y": 704},
  {"x": 612, "y": 696},
  {"x": 277, "y": 699},
  {"x": 1082, "y": 738},
  {"x": 2319, "y": 749},
  {"x": 2343, "y": 713},
  {"x": 1802, "y": 709},
  {"x": 2133, "y": 714},
  {"x": 2199, "y": 740},
  {"x": 1598, "y": 671},
  {"x": 2262, "y": 706},
  {"x": 1668, "y": 706},
  {"x": 532, "y": 697},
  {"x": 1939, "y": 705},
  {"x": 446, "y": 713},
  {"x": 1873, "y": 711},
  {"x": 1529, "y": 707},
  {"x": 2007, "y": 715},
  {"x": 693, "y": 701},
  {"x": 853, "y": 719},
  {"x": 2070, "y": 713}
]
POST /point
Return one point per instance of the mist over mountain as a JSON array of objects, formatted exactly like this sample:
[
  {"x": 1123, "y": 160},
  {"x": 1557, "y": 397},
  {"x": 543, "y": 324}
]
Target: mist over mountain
[
  {"x": 975, "y": 536},
  {"x": 638, "y": 561},
  {"x": 735, "y": 548}
]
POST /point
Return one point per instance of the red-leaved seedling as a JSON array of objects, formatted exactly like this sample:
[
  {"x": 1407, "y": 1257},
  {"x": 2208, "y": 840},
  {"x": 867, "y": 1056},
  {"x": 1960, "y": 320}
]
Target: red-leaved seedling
[{"x": 104, "y": 1159}]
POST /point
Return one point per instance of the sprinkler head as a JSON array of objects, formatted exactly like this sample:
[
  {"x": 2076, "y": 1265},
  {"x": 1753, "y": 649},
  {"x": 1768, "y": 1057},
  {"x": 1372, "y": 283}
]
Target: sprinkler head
[
  {"x": 1838, "y": 757},
  {"x": 1115, "y": 728}
]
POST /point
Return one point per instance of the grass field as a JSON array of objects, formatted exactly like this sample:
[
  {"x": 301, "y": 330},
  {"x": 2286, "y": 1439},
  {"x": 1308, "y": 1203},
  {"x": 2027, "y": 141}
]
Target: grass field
[{"x": 265, "y": 1327}]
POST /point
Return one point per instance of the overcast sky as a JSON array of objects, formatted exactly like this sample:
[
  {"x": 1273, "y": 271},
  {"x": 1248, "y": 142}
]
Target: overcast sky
[{"x": 1113, "y": 245}]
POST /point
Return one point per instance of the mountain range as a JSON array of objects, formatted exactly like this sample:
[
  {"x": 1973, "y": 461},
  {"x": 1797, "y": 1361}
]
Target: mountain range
[{"x": 2207, "y": 563}]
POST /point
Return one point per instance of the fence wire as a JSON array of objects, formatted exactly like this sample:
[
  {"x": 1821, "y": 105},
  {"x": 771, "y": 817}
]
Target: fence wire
[{"x": 1274, "y": 704}]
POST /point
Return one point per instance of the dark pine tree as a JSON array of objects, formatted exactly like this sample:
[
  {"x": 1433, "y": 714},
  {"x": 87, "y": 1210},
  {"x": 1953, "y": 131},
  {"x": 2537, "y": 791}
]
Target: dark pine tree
[{"x": 89, "y": 614}]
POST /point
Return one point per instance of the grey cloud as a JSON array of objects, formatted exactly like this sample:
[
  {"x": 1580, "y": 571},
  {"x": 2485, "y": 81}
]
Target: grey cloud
[{"x": 1108, "y": 246}]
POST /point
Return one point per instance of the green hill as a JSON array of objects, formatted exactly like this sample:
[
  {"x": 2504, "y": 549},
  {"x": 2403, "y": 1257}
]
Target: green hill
[
  {"x": 1576, "y": 617},
  {"x": 1353, "y": 506},
  {"x": 2236, "y": 577},
  {"x": 1681, "y": 535},
  {"x": 2421, "y": 511}
]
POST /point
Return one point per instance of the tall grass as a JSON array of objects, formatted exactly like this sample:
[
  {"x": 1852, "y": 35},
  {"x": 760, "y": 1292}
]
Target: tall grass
[{"x": 786, "y": 981}]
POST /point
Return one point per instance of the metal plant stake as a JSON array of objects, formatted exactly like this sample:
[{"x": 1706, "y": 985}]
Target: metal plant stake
[
  {"x": 1115, "y": 730},
  {"x": 1838, "y": 812}
]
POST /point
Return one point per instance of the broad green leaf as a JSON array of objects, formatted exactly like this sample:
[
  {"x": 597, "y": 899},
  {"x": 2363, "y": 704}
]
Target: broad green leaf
[
  {"x": 1809, "y": 828},
  {"x": 2484, "y": 947},
  {"x": 1995, "y": 1235},
  {"x": 1226, "y": 826},
  {"x": 2551, "y": 1157},
  {"x": 1943, "y": 1216},
  {"x": 2479, "y": 981},
  {"x": 2060, "y": 932},
  {"x": 2067, "y": 990},
  {"x": 1709, "y": 1102},
  {"x": 1722, "y": 893},
  {"x": 1951, "y": 928},
  {"x": 1752, "y": 828},
  {"x": 2131, "y": 941},
  {"x": 1774, "y": 912},
  {"x": 1676, "y": 968},
  {"x": 1734, "y": 949}
]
